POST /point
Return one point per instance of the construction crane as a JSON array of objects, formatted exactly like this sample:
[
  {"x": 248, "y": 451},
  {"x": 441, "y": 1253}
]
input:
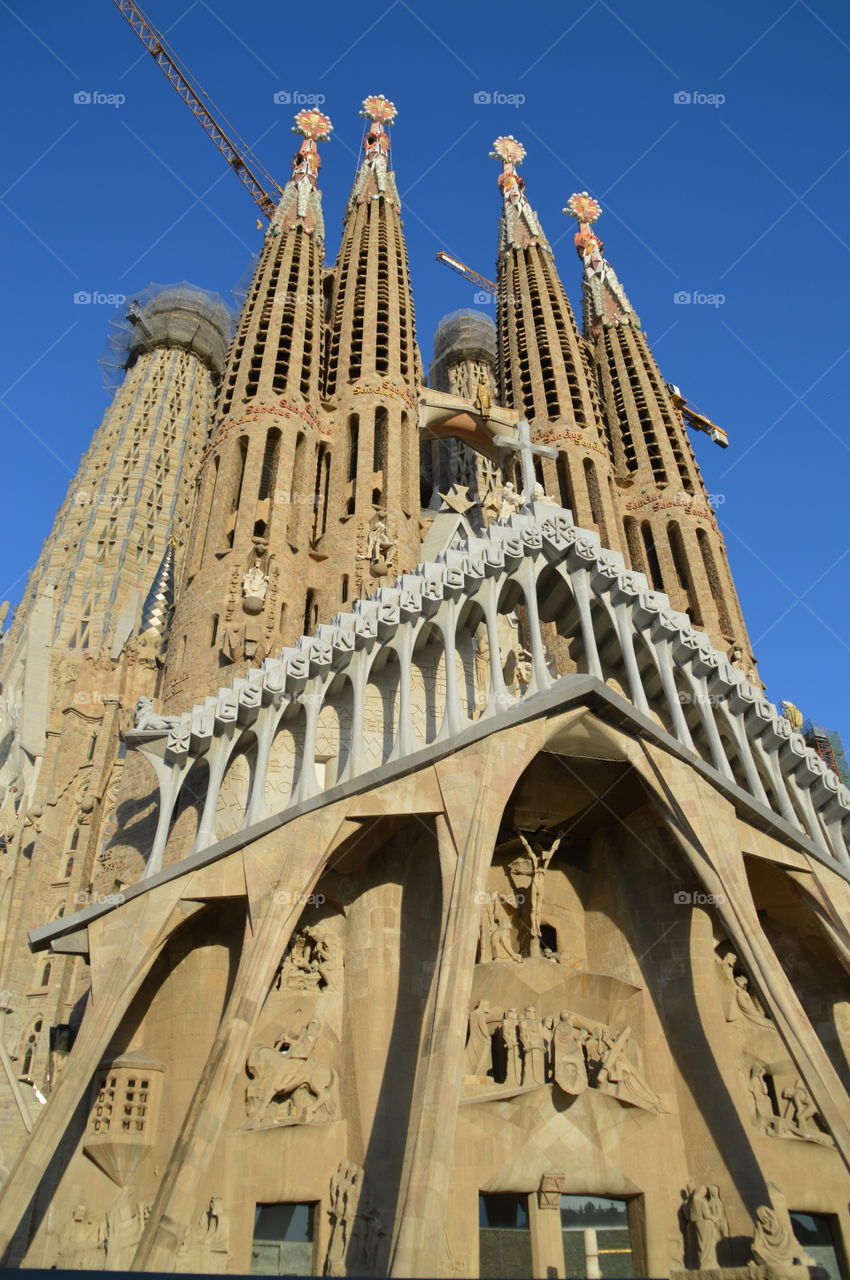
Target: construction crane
[
  {"x": 488, "y": 286},
  {"x": 698, "y": 421},
  {"x": 251, "y": 172}
]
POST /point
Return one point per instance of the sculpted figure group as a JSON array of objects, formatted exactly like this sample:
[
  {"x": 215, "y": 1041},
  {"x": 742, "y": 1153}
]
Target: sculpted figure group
[{"x": 573, "y": 1052}]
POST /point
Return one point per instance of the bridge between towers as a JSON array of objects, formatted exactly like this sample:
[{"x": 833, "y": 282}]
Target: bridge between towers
[{"x": 626, "y": 641}]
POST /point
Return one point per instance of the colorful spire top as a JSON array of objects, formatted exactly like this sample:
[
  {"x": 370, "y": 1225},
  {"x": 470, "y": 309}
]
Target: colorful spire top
[
  {"x": 586, "y": 210},
  {"x": 312, "y": 124},
  {"x": 378, "y": 109},
  {"x": 583, "y": 208},
  {"x": 508, "y": 150}
]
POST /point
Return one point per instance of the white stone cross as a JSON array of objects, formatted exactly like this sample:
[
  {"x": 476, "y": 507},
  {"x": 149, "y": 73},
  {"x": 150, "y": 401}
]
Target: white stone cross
[{"x": 523, "y": 446}]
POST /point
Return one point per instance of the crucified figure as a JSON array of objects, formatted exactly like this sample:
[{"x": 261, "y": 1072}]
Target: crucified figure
[{"x": 540, "y": 859}]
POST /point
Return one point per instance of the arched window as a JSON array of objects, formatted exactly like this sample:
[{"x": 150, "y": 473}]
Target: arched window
[
  {"x": 652, "y": 561},
  {"x": 29, "y": 1047}
]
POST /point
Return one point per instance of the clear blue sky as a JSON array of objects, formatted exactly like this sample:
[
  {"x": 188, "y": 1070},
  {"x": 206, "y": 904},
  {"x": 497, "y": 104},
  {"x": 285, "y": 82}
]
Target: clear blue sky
[{"x": 745, "y": 198}]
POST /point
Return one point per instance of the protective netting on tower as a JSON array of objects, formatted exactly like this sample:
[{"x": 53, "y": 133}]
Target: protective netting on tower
[
  {"x": 176, "y": 315},
  {"x": 461, "y": 335}
]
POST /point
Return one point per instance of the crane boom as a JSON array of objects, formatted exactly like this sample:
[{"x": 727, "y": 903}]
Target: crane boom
[
  {"x": 474, "y": 277},
  {"x": 237, "y": 155}
]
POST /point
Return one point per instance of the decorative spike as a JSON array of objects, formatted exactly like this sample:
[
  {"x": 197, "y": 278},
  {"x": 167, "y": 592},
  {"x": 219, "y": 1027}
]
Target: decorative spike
[{"x": 160, "y": 599}]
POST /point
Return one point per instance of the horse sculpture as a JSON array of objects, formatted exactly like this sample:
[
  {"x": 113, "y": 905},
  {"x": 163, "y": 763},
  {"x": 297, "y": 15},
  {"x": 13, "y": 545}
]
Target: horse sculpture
[{"x": 278, "y": 1076}]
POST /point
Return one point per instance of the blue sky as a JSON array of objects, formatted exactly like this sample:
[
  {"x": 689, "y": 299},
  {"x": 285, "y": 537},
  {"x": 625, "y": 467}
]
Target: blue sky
[{"x": 744, "y": 199}]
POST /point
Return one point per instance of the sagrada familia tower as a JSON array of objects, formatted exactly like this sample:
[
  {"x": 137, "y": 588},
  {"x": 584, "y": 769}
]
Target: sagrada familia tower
[{"x": 404, "y": 873}]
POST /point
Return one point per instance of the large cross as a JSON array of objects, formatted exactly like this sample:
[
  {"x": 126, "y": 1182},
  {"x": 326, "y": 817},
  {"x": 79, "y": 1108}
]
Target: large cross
[{"x": 527, "y": 451}]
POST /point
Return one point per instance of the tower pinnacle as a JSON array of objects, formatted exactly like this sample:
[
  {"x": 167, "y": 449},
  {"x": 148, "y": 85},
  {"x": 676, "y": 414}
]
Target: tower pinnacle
[
  {"x": 605, "y": 300},
  {"x": 521, "y": 224},
  {"x": 300, "y": 202},
  {"x": 374, "y": 177}
]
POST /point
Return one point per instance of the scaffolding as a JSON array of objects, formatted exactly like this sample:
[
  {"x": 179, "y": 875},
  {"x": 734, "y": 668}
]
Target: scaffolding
[
  {"x": 461, "y": 335},
  {"x": 827, "y": 743},
  {"x": 174, "y": 315}
]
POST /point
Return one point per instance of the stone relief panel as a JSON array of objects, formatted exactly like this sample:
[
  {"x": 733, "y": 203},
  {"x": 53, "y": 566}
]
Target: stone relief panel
[
  {"x": 233, "y": 796},
  {"x": 287, "y": 746},
  {"x": 293, "y": 1068},
  {"x": 358, "y": 1233}
]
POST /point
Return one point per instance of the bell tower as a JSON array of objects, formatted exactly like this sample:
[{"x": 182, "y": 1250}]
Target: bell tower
[
  {"x": 670, "y": 527},
  {"x": 545, "y": 366}
]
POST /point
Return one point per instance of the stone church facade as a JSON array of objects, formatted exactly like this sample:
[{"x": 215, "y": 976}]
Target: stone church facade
[{"x": 406, "y": 874}]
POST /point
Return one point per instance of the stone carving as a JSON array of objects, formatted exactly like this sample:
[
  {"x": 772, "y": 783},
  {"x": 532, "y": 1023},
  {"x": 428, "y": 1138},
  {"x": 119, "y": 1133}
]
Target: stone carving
[
  {"x": 381, "y": 549},
  {"x": 706, "y": 1216},
  {"x": 356, "y": 1226},
  {"x": 792, "y": 714},
  {"x": 741, "y": 1002},
  {"x": 496, "y": 929},
  {"x": 255, "y": 584},
  {"x": 531, "y": 871},
  {"x": 82, "y": 1241},
  {"x": 285, "y": 1076},
  {"x": 799, "y": 1119},
  {"x": 206, "y": 1247},
  {"x": 148, "y": 721},
  {"x": 617, "y": 1076},
  {"x": 539, "y": 494},
  {"x": 569, "y": 1069},
  {"x": 510, "y": 501},
  {"x": 479, "y": 1044},
  {"x": 483, "y": 397},
  {"x": 125, "y": 1224},
  {"x": 762, "y": 1101},
  {"x": 533, "y": 1047},
  {"x": 313, "y": 963},
  {"x": 509, "y": 1033}
]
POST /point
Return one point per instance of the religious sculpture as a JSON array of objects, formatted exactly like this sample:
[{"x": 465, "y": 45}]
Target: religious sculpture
[
  {"x": 706, "y": 1215},
  {"x": 792, "y": 714},
  {"x": 356, "y": 1226},
  {"x": 255, "y": 584},
  {"x": 501, "y": 945},
  {"x": 742, "y": 1003},
  {"x": 799, "y": 1118},
  {"x": 762, "y": 1100},
  {"x": 539, "y": 494},
  {"x": 617, "y": 1076},
  {"x": 509, "y": 1033},
  {"x": 281, "y": 1071},
  {"x": 510, "y": 501},
  {"x": 569, "y": 1069},
  {"x": 531, "y": 870},
  {"x": 125, "y": 1224},
  {"x": 82, "y": 1241},
  {"x": 381, "y": 549},
  {"x": 533, "y": 1047},
  {"x": 312, "y": 963},
  {"x": 483, "y": 397},
  {"x": 479, "y": 1044},
  {"x": 148, "y": 721}
]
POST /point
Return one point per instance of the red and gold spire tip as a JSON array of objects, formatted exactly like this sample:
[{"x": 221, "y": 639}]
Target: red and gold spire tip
[
  {"x": 583, "y": 208},
  {"x": 312, "y": 124},
  {"x": 379, "y": 109},
  {"x": 508, "y": 150}
]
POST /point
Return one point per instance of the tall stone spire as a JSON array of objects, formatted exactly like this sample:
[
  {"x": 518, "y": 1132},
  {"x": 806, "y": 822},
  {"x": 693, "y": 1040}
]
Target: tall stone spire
[
  {"x": 256, "y": 498},
  {"x": 545, "y": 367},
  {"x": 670, "y": 527},
  {"x": 372, "y": 364}
]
